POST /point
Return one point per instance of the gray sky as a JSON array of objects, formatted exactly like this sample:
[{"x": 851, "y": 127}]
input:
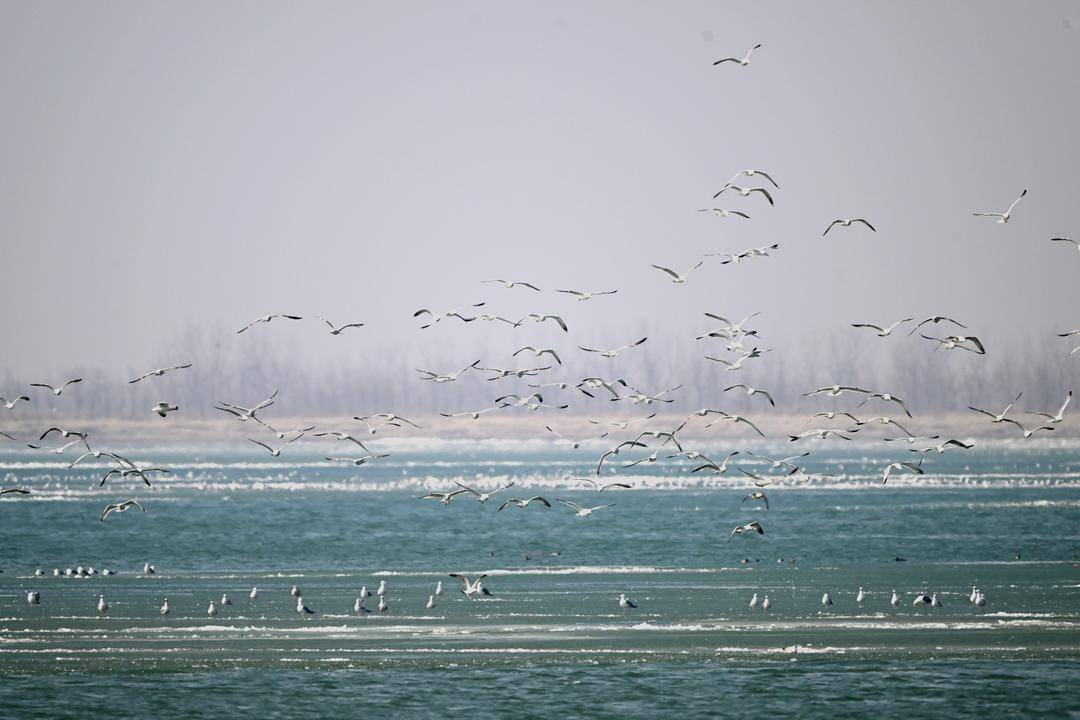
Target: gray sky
[{"x": 177, "y": 164}]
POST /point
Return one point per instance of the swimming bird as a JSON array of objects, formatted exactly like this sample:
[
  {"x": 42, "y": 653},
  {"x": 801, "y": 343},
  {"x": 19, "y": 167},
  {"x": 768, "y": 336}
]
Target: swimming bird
[
  {"x": 750, "y": 391},
  {"x": 56, "y": 390},
  {"x": 33, "y": 598},
  {"x": 575, "y": 444},
  {"x": 512, "y": 284},
  {"x": 430, "y": 605},
  {"x": 900, "y": 466},
  {"x": 302, "y": 608},
  {"x": 102, "y": 606},
  {"x": 745, "y": 192},
  {"x": 538, "y": 352},
  {"x": 626, "y": 604},
  {"x": 1055, "y": 419},
  {"x": 582, "y": 511},
  {"x": 894, "y": 600},
  {"x": 164, "y": 408},
  {"x": 383, "y": 607},
  {"x": 266, "y": 319},
  {"x": 449, "y": 377},
  {"x": 614, "y": 351},
  {"x": 438, "y": 588},
  {"x": 254, "y": 594},
  {"x": 120, "y": 507},
  {"x": 885, "y": 331},
  {"x": 936, "y": 319},
  {"x": 1003, "y": 217},
  {"x": 159, "y": 372},
  {"x": 720, "y": 212},
  {"x": 148, "y": 569},
  {"x": 517, "y": 502},
  {"x": 847, "y": 223},
  {"x": 211, "y": 610},
  {"x": 587, "y": 295},
  {"x": 678, "y": 278},
  {"x": 445, "y": 498},
  {"x": 826, "y": 600},
  {"x": 980, "y": 599},
  {"x": 381, "y": 590},
  {"x": 358, "y": 606},
  {"x": 164, "y": 607},
  {"x": 754, "y": 602},
  {"x": 336, "y": 330},
  {"x": 751, "y": 527},
  {"x": 758, "y": 496},
  {"x": 364, "y": 593},
  {"x": 935, "y": 602},
  {"x": 225, "y": 599},
  {"x": 484, "y": 497},
  {"x": 10, "y": 404},
  {"x": 766, "y": 604},
  {"x": 474, "y": 588},
  {"x": 921, "y": 599},
  {"x": 743, "y": 61}
]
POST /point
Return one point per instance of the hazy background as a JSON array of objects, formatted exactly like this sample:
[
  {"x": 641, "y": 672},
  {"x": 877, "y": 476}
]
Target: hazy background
[{"x": 171, "y": 171}]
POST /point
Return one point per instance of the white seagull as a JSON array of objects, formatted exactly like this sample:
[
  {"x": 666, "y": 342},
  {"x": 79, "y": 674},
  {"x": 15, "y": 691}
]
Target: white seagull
[
  {"x": 745, "y": 192},
  {"x": 335, "y": 330},
  {"x": 626, "y": 604},
  {"x": 1067, "y": 240},
  {"x": 164, "y": 607},
  {"x": 449, "y": 377},
  {"x": 452, "y": 312},
  {"x": 1055, "y": 419},
  {"x": 538, "y": 352},
  {"x": 120, "y": 507},
  {"x": 242, "y": 413},
  {"x": 56, "y": 390},
  {"x": 676, "y": 277},
  {"x": 164, "y": 408},
  {"x": 582, "y": 511},
  {"x": 751, "y": 528},
  {"x": 587, "y": 295},
  {"x": 752, "y": 391},
  {"x": 847, "y": 223},
  {"x": 102, "y": 606},
  {"x": 1003, "y": 217},
  {"x": 159, "y": 372},
  {"x": 743, "y": 61},
  {"x": 445, "y": 498},
  {"x": 10, "y": 404},
  {"x": 826, "y": 600},
  {"x": 615, "y": 351},
  {"x": 484, "y": 497},
  {"x": 575, "y": 444},
  {"x": 474, "y": 588},
  {"x": 911, "y": 468},
  {"x": 882, "y": 331},
  {"x": 750, "y": 173},
  {"x": 509, "y": 284},
  {"x": 720, "y": 212},
  {"x": 266, "y": 319},
  {"x": 302, "y": 608},
  {"x": 517, "y": 502}
]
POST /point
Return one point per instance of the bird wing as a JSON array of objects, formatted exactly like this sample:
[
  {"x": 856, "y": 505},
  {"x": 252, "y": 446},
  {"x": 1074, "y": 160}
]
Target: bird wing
[
  {"x": 866, "y": 223},
  {"x": 43, "y": 385},
  {"x": 829, "y": 228},
  {"x": 573, "y": 505},
  {"x": 669, "y": 271}
]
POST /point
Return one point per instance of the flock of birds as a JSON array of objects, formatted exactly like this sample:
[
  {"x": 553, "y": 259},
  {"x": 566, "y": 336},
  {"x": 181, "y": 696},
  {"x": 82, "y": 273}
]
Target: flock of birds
[{"x": 738, "y": 342}]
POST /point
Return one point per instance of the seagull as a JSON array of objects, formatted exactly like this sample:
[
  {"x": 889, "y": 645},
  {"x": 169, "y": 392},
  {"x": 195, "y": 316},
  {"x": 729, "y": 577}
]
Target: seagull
[
  {"x": 518, "y": 373},
  {"x": 821, "y": 434},
  {"x": 281, "y": 434},
  {"x": 676, "y": 277},
  {"x": 387, "y": 419},
  {"x": 517, "y": 502},
  {"x": 613, "y": 352},
  {"x": 1064, "y": 334},
  {"x": 836, "y": 391},
  {"x": 1003, "y": 217},
  {"x": 225, "y": 599},
  {"x": 538, "y": 352},
  {"x": 302, "y": 608},
  {"x": 575, "y": 444},
  {"x": 860, "y": 597},
  {"x": 484, "y": 497},
  {"x": 750, "y": 173},
  {"x": 277, "y": 452},
  {"x": 120, "y": 507},
  {"x": 335, "y": 330},
  {"x": 383, "y": 607},
  {"x": 56, "y": 390},
  {"x": 717, "y": 469},
  {"x": 63, "y": 433},
  {"x": 294, "y": 591},
  {"x": 242, "y": 413},
  {"x": 626, "y": 604},
  {"x": 164, "y": 607},
  {"x": 887, "y": 398},
  {"x": 164, "y": 408},
  {"x": 139, "y": 472},
  {"x": 56, "y": 450},
  {"x": 921, "y": 599},
  {"x": 449, "y": 377},
  {"x": 33, "y": 598},
  {"x": 826, "y": 600},
  {"x": 531, "y": 402},
  {"x": 1032, "y": 431},
  {"x": 356, "y": 461},
  {"x": 910, "y": 467},
  {"x": 587, "y": 295},
  {"x": 119, "y": 459},
  {"x": 737, "y": 419},
  {"x": 254, "y": 594},
  {"x": 623, "y": 425},
  {"x": 452, "y": 312},
  {"x": 882, "y": 331},
  {"x": 765, "y": 604},
  {"x": 266, "y": 319},
  {"x": 1055, "y": 419},
  {"x": 1000, "y": 417},
  {"x": 738, "y": 257},
  {"x": 438, "y": 588},
  {"x": 10, "y": 404},
  {"x": 940, "y": 448},
  {"x": 476, "y": 587},
  {"x": 720, "y": 212},
  {"x": 745, "y": 192},
  {"x": 757, "y": 496},
  {"x": 102, "y": 606},
  {"x": 445, "y": 498},
  {"x": 640, "y": 398},
  {"x": 783, "y": 462},
  {"x": 159, "y": 372},
  {"x": 894, "y": 600},
  {"x": 601, "y": 487},
  {"x": 615, "y": 451},
  {"x": 884, "y": 421},
  {"x": 342, "y": 436},
  {"x": 744, "y": 61},
  {"x": 596, "y": 383},
  {"x": 430, "y": 605},
  {"x": 752, "y": 391},
  {"x": 512, "y": 284},
  {"x": 737, "y": 365},
  {"x": 752, "y": 527},
  {"x": 980, "y": 599},
  {"x": 936, "y": 319},
  {"x": 847, "y": 223},
  {"x": 582, "y": 511},
  {"x": 543, "y": 318},
  {"x": 474, "y": 414},
  {"x": 358, "y": 607},
  {"x": 934, "y": 602},
  {"x": 147, "y": 569},
  {"x": 954, "y": 342},
  {"x": 1067, "y": 240}
]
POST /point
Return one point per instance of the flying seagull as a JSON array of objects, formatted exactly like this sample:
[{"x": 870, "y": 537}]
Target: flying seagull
[
  {"x": 242, "y": 413},
  {"x": 56, "y": 390},
  {"x": 900, "y": 466},
  {"x": 484, "y": 497},
  {"x": 538, "y": 352},
  {"x": 676, "y": 277},
  {"x": 535, "y": 317},
  {"x": 159, "y": 372},
  {"x": 582, "y": 511},
  {"x": 615, "y": 351},
  {"x": 743, "y": 61},
  {"x": 471, "y": 589},
  {"x": 1000, "y": 417},
  {"x": 335, "y": 330},
  {"x": 452, "y": 312},
  {"x": 445, "y": 498},
  {"x": 266, "y": 319},
  {"x": 358, "y": 461},
  {"x": 1002, "y": 217},
  {"x": 752, "y": 527},
  {"x": 587, "y": 295},
  {"x": 745, "y": 192},
  {"x": 954, "y": 342},
  {"x": 509, "y": 284},
  {"x": 120, "y": 507},
  {"x": 1055, "y": 419},
  {"x": 1067, "y": 240},
  {"x": 720, "y": 212},
  {"x": 750, "y": 173},
  {"x": 13, "y": 490},
  {"x": 449, "y": 377},
  {"x": 517, "y": 502},
  {"x": 716, "y": 469},
  {"x": 887, "y": 398},
  {"x": 601, "y": 487},
  {"x": 276, "y": 452},
  {"x": 164, "y": 408},
  {"x": 847, "y": 223},
  {"x": 882, "y": 331},
  {"x": 936, "y": 319},
  {"x": 575, "y": 444},
  {"x": 10, "y": 404},
  {"x": 341, "y": 436},
  {"x": 758, "y": 496},
  {"x": 752, "y": 391}
]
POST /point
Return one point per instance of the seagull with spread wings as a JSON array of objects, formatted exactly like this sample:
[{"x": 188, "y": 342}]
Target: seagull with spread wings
[
  {"x": 56, "y": 390},
  {"x": 266, "y": 319},
  {"x": 743, "y": 61},
  {"x": 846, "y": 222},
  {"x": 676, "y": 277},
  {"x": 336, "y": 330},
  {"x": 1003, "y": 217},
  {"x": 605, "y": 353},
  {"x": 159, "y": 372}
]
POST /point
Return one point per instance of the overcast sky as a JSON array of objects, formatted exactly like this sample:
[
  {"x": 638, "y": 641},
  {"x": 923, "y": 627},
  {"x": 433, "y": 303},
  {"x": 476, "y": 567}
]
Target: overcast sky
[{"x": 175, "y": 164}]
